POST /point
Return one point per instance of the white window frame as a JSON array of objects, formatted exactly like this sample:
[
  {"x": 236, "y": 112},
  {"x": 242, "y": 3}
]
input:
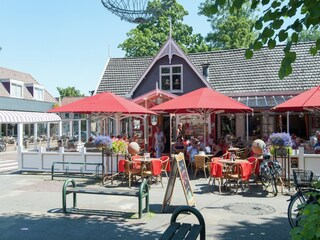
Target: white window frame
[
  {"x": 39, "y": 88},
  {"x": 13, "y": 85},
  {"x": 170, "y": 75}
]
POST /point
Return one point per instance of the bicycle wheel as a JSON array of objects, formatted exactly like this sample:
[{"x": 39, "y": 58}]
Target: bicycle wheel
[
  {"x": 265, "y": 178},
  {"x": 265, "y": 174},
  {"x": 273, "y": 182},
  {"x": 295, "y": 208}
]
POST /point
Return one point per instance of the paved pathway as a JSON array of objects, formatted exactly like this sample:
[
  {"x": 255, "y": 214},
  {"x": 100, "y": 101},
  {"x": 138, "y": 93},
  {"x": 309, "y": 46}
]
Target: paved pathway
[
  {"x": 8, "y": 162},
  {"x": 30, "y": 208}
]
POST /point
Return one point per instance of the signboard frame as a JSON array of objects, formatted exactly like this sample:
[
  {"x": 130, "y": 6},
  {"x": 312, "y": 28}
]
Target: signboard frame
[{"x": 179, "y": 166}]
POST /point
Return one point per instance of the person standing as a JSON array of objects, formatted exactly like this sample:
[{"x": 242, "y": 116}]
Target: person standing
[
  {"x": 159, "y": 141},
  {"x": 179, "y": 131}
]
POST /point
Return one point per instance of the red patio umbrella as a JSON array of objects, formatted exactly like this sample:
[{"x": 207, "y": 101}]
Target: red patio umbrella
[
  {"x": 306, "y": 101},
  {"x": 203, "y": 101},
  {"x": 106, "y": 102}
]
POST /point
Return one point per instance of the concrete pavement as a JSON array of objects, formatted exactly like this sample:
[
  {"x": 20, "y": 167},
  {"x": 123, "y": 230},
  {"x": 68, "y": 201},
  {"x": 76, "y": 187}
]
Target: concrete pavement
[{"x": 30, "y": 208}]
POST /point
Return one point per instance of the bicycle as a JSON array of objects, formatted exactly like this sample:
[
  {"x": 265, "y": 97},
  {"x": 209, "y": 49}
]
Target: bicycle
[
  {"x": 305, "y": 194},
  {"x": 270, "y": 172},
  {"x": 3, "y": 146}
]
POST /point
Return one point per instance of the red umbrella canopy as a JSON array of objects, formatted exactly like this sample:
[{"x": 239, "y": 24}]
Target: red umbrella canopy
[
  {"x": 203, "y": 100},
  {"x": 106, "y": 102},
  {"x": 308, "y": 100}
]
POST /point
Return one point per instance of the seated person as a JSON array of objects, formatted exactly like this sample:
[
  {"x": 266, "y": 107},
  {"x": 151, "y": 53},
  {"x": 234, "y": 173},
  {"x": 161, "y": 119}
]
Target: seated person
[
  {"x": 216, "y": 150},
  {"x": 193, "y": 149},
  {"x": 90, "y": 146},
  {"x": 90, "y": 143},
  {"x": 223, "y": 145},
  {"x": 71, "y": 146},
  {"x": 179, "y": 145},
  {"x": 59, "y": 145}
]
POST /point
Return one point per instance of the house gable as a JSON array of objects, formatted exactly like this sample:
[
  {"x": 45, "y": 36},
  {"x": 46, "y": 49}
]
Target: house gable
[
  {"x": 168, "y": 55},
  {"x": 190, "y": 80},
  {"x": 254, "y": 82}
]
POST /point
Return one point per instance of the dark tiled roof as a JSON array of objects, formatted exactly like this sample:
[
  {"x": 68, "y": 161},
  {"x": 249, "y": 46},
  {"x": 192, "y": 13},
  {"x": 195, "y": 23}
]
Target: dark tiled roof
[
  {"x": 122, "y": 73},
  {"x": 229, "y": 72}
]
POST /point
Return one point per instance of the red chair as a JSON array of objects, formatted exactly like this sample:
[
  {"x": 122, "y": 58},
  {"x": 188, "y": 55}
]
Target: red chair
[
  {"x": 216, "y": 172},
  {"x": 165, "y": 165},
  {"x": 136, "y": 163},
  {"x": 121, "y": 168},
  {"x": 255, "y": 166},
  {"x": 121, "y": 163},
  {"x": 156, "y": 171}
]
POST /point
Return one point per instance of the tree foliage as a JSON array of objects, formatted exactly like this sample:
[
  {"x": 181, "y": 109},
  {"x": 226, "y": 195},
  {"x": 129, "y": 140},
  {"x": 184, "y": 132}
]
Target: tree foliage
[
  {"x": 147, "y": 38},
  {"x": 69, "y": 92},
  {"x": 230, "y": 30},
  {"x": 309, "y": 35},
  {"x": 309, "y": 225},
  {"x": 301, "y": 14}
]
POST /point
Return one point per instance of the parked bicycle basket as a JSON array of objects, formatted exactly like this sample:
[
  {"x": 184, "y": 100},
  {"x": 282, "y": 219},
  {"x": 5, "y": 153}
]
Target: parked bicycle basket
[{"x": 302, "y": 178}]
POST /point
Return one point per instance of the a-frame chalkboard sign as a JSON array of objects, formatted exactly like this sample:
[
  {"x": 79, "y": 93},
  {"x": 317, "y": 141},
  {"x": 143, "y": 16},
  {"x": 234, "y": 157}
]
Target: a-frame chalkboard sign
[{"x": 178, "y": 166}]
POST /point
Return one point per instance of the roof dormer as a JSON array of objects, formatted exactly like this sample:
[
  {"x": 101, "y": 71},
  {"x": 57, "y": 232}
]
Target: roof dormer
[
  {"x": 37, "y": 91},
  {"x": 14, "y": 87}
]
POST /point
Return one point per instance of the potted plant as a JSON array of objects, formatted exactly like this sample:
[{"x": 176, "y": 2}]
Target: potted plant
[
  {"x": 103, "y": 142},
  {"x": 280, "y": 144},
  {"x": 119, "y": 147}
]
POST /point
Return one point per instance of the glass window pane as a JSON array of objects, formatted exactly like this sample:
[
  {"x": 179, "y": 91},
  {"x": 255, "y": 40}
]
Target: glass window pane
[
  {"x": 176, "y": 69},
  {"x": 165, "y": 70},
  {"x": 176, "y": 82},
  {"x": 165, "y": 83}
]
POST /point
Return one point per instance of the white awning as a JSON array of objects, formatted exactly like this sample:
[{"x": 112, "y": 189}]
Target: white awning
[{"x": 27, "y": 117}]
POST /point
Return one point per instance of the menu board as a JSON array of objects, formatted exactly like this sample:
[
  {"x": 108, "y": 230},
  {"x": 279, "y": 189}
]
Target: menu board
[
  {"x": 184, "y": 177},
  {"x": 178, "y": 166}
]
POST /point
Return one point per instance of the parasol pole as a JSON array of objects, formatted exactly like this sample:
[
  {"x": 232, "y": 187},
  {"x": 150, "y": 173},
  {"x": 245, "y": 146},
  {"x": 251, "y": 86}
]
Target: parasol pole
[
  {"x": 247, "y": 123},
  {"x": 288, "y": 122},
  {"x": 170, "y": 122}
]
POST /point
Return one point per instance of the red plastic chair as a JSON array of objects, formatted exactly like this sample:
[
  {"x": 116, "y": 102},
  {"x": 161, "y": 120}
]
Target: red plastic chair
[
  {"x": 254, "y": 165},
  {"x": 136, "y": 163},
  {"x": 156, "y": 170},
  {"x": 216, "y": 172},
  {"x": 121, "y": 165}
]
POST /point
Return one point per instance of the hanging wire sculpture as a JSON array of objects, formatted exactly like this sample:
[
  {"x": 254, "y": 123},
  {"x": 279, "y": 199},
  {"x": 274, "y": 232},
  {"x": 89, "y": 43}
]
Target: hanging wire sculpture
[{"x": 134, "y": 11}]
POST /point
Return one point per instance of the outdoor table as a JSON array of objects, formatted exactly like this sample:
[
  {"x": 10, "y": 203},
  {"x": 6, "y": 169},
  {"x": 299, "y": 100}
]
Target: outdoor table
[
  {"x": 233, "y": 150},
  {"x": 245, "y": 164}
]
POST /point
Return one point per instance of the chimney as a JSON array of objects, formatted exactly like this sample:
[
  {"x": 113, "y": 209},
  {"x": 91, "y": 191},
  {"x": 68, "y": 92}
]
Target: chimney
[{"x": 205, "y": 70}]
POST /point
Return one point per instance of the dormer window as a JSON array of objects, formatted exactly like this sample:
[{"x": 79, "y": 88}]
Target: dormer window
[
  {"x": 171, "y": 78},
  {"x": 16, "y": 89},
  {"x": 36, "y": 91}
]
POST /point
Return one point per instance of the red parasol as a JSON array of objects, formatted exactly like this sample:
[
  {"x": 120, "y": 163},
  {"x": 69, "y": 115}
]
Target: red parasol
[
  {"x": 203, "y": 100},
  {"x": 106, "y": 102},
  {"x": 306, "y": 101}
]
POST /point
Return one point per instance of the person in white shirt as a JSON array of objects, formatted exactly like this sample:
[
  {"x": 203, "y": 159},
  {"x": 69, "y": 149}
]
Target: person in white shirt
[{"x": 159, "y": 141}]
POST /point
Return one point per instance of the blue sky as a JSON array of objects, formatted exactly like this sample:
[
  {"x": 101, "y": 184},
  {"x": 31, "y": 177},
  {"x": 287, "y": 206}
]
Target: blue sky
[{"x": 64, "y": 43}]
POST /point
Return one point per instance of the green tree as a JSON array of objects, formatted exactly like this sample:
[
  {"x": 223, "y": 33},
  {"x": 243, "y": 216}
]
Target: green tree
[
  {"x": 69, "y": 92},
  {"x": 230, "y": 30},
  {"x": 300, "y": 14},
  {"x": 147, "y": 38},
  {"x": 309, "y": 35}
]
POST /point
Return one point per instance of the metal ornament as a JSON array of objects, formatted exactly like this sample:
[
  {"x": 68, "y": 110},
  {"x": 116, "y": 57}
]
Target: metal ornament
[{"x": 134, "y": 11}]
